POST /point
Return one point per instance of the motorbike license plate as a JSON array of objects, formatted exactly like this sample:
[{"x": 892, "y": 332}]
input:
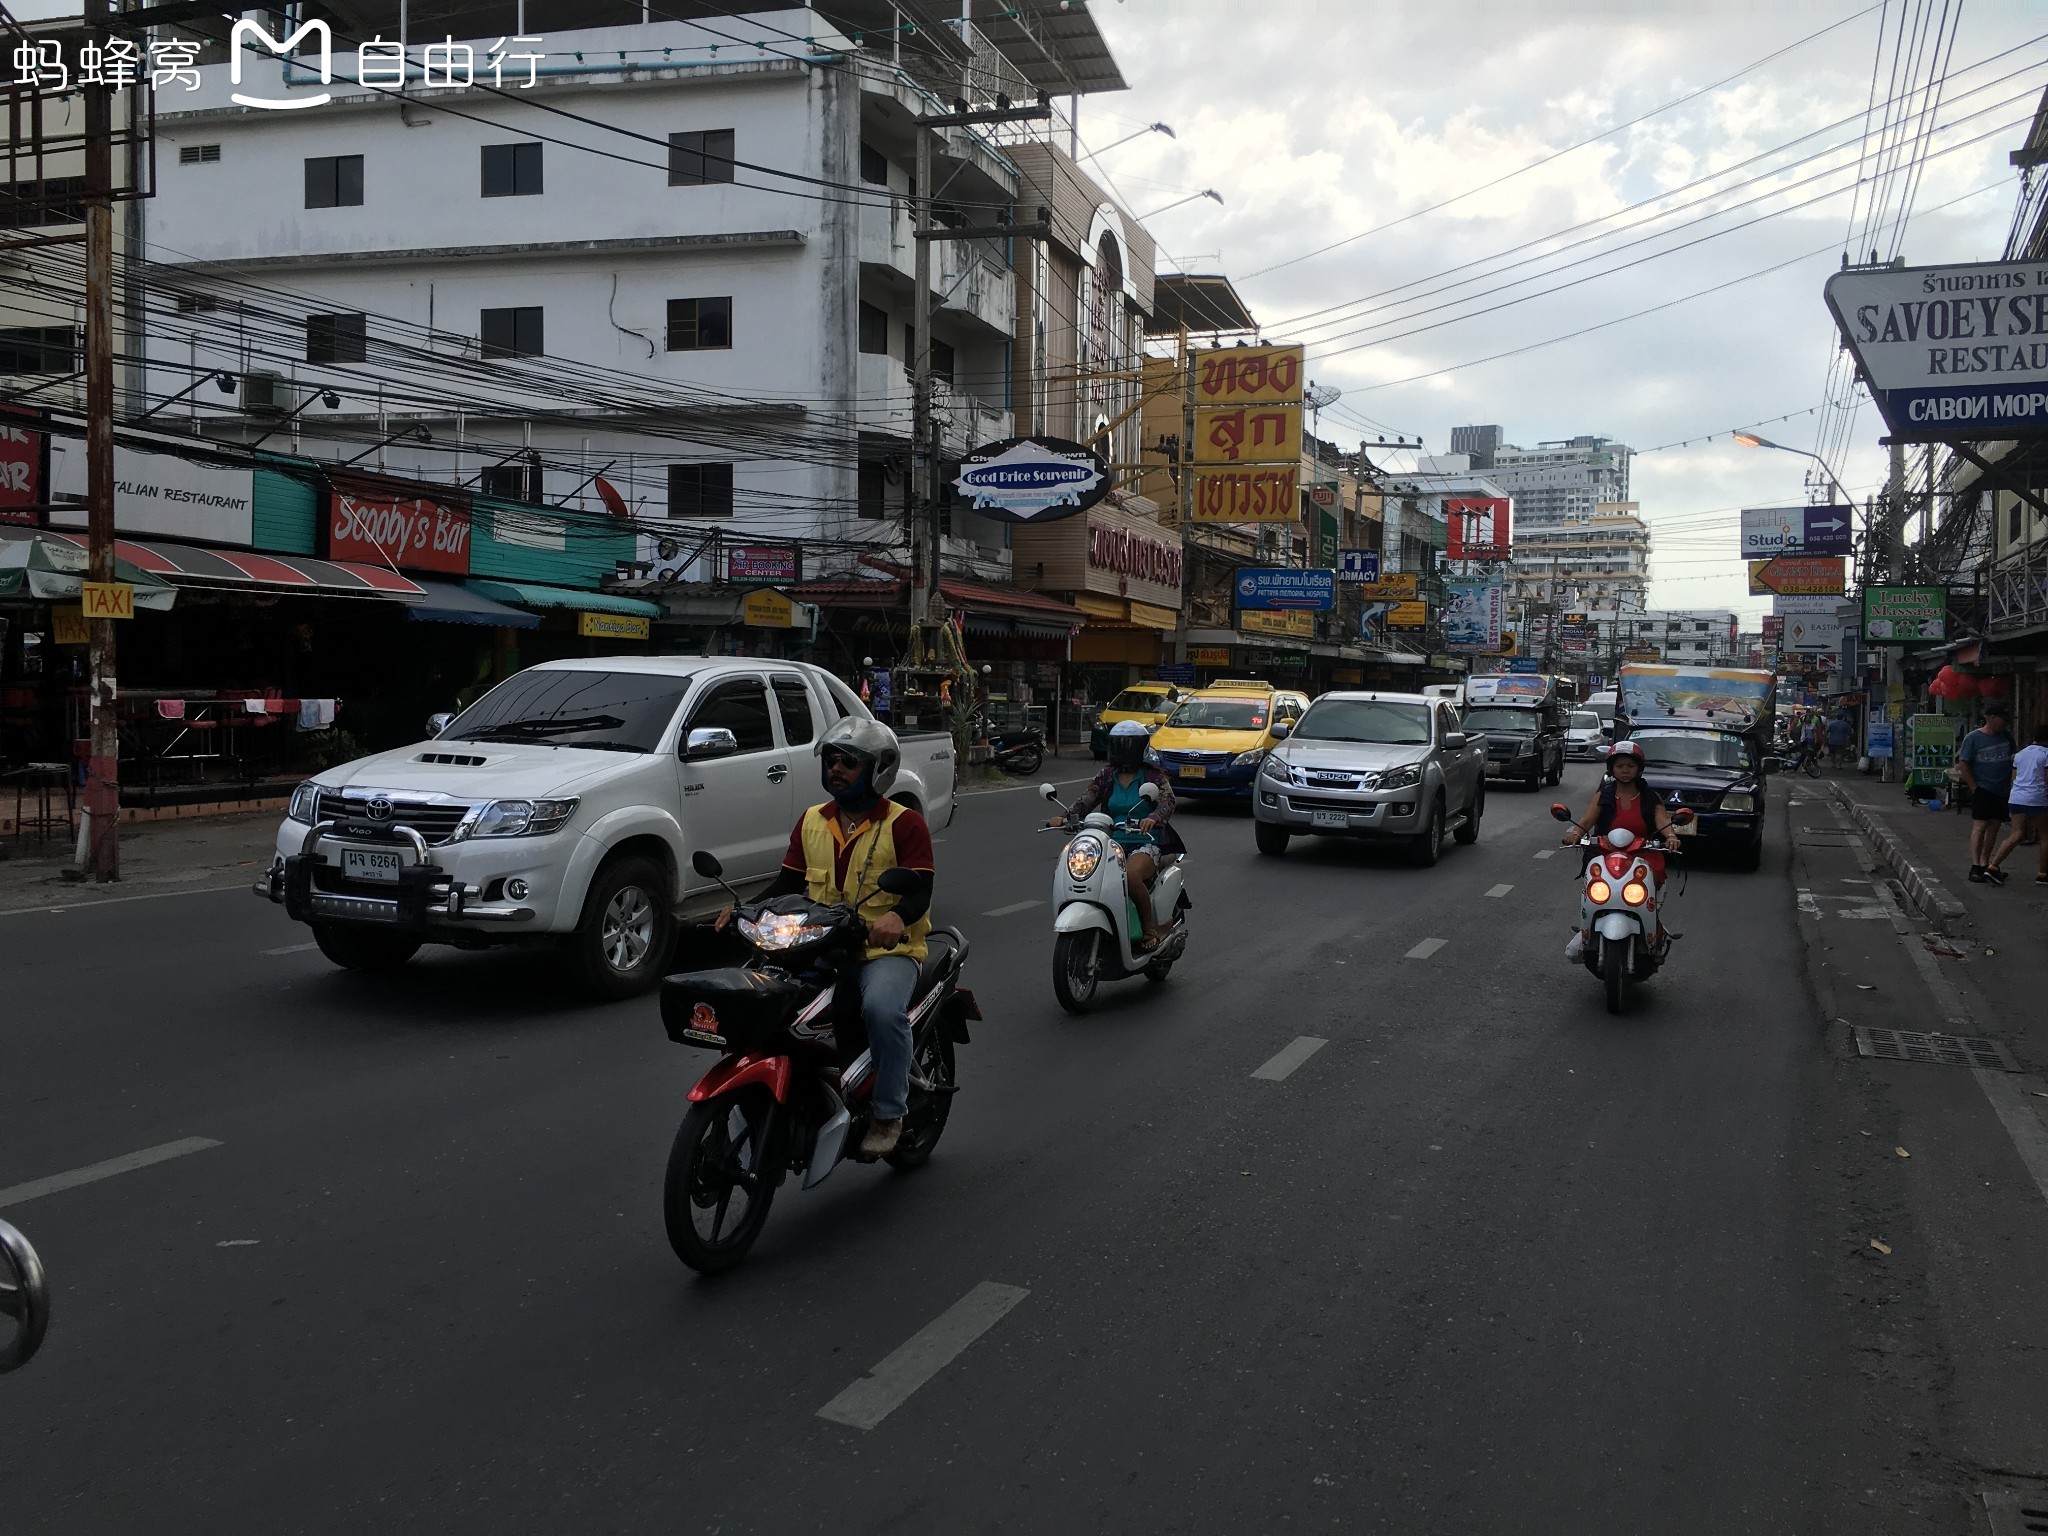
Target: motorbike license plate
[
  {"x": 369, "y": 864},
  {"x": 1335, "y": 820},
  {"x": 1192, "y": 771}
]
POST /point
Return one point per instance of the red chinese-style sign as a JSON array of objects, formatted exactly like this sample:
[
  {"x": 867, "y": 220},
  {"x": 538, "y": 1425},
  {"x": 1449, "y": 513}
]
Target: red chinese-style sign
[
  {"x": 1248, "y": 376},
  {"x": 379, "y": 525},
  {"x": 1478, "y": 527},
  {"x": 21, "y": 458}
]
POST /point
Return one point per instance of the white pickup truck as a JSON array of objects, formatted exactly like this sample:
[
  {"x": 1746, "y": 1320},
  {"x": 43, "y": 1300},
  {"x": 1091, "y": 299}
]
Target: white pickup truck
[{"x": 564, "y": 807}]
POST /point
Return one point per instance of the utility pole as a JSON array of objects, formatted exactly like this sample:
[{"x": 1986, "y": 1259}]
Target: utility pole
[{"x": 102, "y": 832}]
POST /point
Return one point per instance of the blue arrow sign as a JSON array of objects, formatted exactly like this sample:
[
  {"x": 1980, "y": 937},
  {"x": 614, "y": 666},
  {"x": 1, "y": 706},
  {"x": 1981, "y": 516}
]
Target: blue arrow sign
[{"x": 1827, "y": 531}]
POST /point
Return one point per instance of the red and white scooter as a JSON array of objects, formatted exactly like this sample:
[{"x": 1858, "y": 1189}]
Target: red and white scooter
[{"x": 1621, "y": 906}]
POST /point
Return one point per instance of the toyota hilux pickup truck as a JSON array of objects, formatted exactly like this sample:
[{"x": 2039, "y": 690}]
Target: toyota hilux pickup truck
[{"x": 563, "y": 808}]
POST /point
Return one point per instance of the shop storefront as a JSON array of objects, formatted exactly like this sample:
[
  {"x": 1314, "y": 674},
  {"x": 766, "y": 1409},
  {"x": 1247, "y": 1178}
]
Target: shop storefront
[{"x": 1124, "y": 574}]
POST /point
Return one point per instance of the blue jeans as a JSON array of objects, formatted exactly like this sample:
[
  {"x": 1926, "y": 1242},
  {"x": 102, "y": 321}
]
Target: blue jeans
[{"x": 885, "y": 988}]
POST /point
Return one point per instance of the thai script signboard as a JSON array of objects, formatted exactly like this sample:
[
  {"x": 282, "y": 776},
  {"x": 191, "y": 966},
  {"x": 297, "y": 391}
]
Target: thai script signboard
[{"x": 1285, "y": 587}]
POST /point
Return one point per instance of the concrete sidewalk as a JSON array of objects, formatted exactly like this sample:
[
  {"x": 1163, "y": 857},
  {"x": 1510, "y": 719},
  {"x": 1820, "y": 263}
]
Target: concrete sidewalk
[{"x": 157, "y": 858}]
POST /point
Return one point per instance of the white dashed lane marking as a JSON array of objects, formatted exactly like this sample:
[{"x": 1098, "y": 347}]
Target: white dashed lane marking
[
  {"x": 1425, "y": 949},
  {"x": 1293, "y": 1056},
  {"x": 1013, "y": 908},
  {"x": 1500, "y": 890},
  {"x": 92, "y": 1173},
  {"x": 1548, "y": 853},
  {"x": 927, "y": 1352},
  {"x": 291, "y": 949}
]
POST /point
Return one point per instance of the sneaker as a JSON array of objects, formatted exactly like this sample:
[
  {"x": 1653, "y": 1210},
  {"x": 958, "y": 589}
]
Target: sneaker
[
  {"x": 882, "y": 1137},
  {"x": 1977, "y": 875},
  {"x": 1995, "y": 875}
]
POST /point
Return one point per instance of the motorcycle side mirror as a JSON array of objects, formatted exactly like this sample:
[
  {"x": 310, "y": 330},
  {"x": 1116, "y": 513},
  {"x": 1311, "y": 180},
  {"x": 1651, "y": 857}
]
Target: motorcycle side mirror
[
  {"x": 706, "y": 864},
  {"x": 1149, "y": 793},
  {"x": 436, "y": 724},
  {"x": 1684, "y": 816},
  {"x": 1560, "y": 813},
  {"x": 1049, "y": 792},
  {"x": 898, "y": 882}
]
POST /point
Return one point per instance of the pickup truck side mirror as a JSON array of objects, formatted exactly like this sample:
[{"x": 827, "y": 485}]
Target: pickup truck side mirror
[
  {"x": 1282, "y": 729},
  {"x": 1454, "y": 741},
  {"x": 436, "y": 724},
  {"x": 710, "y": 741}
]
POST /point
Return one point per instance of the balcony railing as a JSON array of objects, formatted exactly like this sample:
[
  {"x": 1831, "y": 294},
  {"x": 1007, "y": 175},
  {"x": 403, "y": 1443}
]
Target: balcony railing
[{"x": 2017, "y": 587}]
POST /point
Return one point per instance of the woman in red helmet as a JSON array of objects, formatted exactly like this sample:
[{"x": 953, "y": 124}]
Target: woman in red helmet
[{"x": 1624, "y": 800}]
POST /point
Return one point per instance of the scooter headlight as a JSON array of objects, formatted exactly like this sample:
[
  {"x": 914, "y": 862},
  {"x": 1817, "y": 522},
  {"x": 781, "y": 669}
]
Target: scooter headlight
[
  {"x": 781, "y": 930},
  {"x": 1083, "y": 854},
  {"x": 1598, "y": 891},
  {"x": 1634, "y": 894}
]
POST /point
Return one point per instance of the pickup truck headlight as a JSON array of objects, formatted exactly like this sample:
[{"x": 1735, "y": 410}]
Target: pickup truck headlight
[
  {"x": 305, "y": 804},
  {"x": 1152, "y": 756},
  {"x": 1738, "y": 800},
  {"x": 517, "y": 818},
  {"x": 1401, "y": 778},
  {"x": 1274, "y": 768},
  {"x": 1248, "y": 759}
]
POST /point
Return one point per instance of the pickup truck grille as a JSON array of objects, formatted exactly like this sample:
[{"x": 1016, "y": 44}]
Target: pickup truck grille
[
  {"x": 1505, "y": 748},
  {"x": 434, "y": 820},
  {"x": 1700, "y": 799}
]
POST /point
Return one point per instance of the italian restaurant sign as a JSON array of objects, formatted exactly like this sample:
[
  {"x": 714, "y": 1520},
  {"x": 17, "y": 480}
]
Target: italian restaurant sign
[
  {"x": 1032, "y": 479},
  {"x": 1952, "y": 353},
  {"x": 157, "y": 493},
  {"x": 374, "y": 525}
]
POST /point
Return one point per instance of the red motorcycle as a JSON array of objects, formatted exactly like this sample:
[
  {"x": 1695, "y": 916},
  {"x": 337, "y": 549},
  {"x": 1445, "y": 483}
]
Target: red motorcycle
[{"x": 791, "y": 1090}]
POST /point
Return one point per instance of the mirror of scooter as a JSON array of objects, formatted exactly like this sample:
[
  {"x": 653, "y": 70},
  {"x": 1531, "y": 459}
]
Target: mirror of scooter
[
  {"x": 1560, "y": 812},
  {"x": 1149, "y": 793},
  {"x": 706, "y": 864},
  {"x": 897, "y": 882},
  {"x": 1049, "y": 792},
  {"x": 1684, "y": 816}
]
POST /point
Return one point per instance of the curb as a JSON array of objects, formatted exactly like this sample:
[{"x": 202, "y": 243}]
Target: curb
[{"x": 1922, "y": 888}]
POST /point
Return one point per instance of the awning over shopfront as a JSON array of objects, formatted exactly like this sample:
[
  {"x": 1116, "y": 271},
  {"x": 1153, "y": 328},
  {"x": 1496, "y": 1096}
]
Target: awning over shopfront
[
  {"x": 446, "y": 603},
  {"x": 986, "y": 609},
  {"x": 241, "y": 570},
  {"x": 41, "y": 567},
  {"x": 528, "y": 594},
  {"x": 1123, "y": 612}
]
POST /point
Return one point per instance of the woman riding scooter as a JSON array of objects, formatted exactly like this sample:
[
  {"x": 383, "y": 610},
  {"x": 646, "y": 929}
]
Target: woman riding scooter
[
  {"x": 1116, "y": 791},
  {"x": 1624, "y": 800}
]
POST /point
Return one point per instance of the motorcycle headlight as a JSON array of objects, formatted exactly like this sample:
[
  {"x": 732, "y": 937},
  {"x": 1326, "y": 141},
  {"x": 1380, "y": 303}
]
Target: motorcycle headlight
[
  {"x": 781, "y": 930},
  {"x": 1738, "y": 800},
  {"x": 517, "y": 818},
  {"x": 1083, "y": 854},
  {"x": 1598, "y": 891},
  {"x": 1634, "y": 894},
  {"x": 1248, "y": 759},
  {"x": 1274, "y": 768},
  {"x": 305, "y": 804},
  {"x": 1401, "y": 778}
]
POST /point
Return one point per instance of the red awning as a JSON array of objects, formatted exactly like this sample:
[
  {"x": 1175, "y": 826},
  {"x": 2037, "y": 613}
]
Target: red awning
[{"x": 241, "y": 570}]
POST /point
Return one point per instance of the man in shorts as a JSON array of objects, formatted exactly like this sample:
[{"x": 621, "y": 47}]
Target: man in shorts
[{"x": 1985, "y": 760}]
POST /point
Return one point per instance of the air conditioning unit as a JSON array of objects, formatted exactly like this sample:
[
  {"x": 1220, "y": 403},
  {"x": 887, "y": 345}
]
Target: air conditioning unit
[{"x": 265, "y": 394}]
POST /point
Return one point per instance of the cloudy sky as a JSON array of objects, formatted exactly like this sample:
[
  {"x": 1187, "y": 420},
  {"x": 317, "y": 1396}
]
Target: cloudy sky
[{"x": 1320, "y": 121}]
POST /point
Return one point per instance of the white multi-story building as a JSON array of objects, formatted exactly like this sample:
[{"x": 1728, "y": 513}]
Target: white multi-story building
[
  {"x": 1553, "y": 482},
  {"x": 697, "y": 283},
  {"x": 1596, "y": 562},
  {"x": 1699, "y": 637}
]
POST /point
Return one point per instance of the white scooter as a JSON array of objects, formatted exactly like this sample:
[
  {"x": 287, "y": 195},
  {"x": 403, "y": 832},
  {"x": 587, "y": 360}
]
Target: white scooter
[
  {"x": 1095, "y": 922},
  {"x": 1621, "y": 905}
]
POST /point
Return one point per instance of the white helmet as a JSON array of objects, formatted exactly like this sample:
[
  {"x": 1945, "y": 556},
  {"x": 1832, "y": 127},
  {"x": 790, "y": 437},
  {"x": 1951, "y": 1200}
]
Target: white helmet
[{"x": 871, "y": 741}]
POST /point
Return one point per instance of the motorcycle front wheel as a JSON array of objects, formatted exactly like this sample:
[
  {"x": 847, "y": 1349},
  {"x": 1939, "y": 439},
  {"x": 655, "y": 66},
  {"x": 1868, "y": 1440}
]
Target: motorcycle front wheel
[
  {"x": 1074, "y": 968},
  {"x": 1614, "y": 959},
  {"x": 715, "y": 1199}
]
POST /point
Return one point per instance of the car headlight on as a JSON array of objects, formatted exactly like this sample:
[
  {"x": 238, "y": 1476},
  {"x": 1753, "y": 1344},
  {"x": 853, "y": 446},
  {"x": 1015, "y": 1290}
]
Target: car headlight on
[
  {"x": 1152, "y": 756},
  {"x": 1738, "y": 800},
  {"x": 305, "y": 804},
  {"x": 1401, "y": 778},
  {"x": 1083, "y": 854},
  {"x": 1248, "y": 759},
  {"x": 517, "y": 818}
]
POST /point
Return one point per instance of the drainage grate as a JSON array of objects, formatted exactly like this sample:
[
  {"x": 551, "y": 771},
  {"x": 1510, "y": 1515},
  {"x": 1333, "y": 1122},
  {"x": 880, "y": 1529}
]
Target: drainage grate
[
  {"x": 1942, "y": 1050},
  {"x": 2016, "y": 1514}
]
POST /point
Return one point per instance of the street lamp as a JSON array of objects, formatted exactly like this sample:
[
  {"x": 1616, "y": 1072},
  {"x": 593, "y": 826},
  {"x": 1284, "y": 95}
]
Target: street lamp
[
  {"x": 326, "y": 397},
  {"x": 1211, "y": 193},
  {"x": 1751, "y": 440},
  {"x": 1148, "y": 128},
  {"x": 224, "y": 382}
]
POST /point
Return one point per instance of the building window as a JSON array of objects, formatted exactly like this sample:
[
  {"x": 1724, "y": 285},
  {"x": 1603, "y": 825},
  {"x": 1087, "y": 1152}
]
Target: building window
[
  {"x": 512, "y": 170},
  {"x": 942, "y": 360},
  {"x": 700, "y": 490},
  {"x": 513, "y": 482},
  {"x": 197, "y": 303},
  {"x": 513, "y": 332},
  {"x": 874, "y": 166},
  {"x": 198, "y": 154},
  {"x": 874, "y": 329},
  {"x": 699, "y": 325},
  {"x": 39, "y": 349},
  {"x": 336, "y": 339},
  {"x": 874, "y": 491},
  {"x": 334, "y": 181},
  {"x": 52, "y": 200},
  {"x": 700, "y": 159}
]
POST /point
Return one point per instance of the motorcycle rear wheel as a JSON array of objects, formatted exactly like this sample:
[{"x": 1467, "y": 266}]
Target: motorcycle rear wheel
[
  {"x": 925, "y": 1121},
  {"x": 1614, "y": 959},
  {"x": 721, "y": 1145},
  {"x": 1075, "y": 968},
  {"x": 1025, "y": 762}
]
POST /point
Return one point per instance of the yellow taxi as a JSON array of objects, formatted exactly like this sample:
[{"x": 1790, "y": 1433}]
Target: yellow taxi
[
  {"x": 1147, "y": 703},
  {"x": 1213, "y": 742}
]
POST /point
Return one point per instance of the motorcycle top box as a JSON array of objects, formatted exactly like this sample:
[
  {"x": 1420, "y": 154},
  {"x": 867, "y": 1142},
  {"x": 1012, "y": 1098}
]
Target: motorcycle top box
[{"x": 730, "y": 1009}]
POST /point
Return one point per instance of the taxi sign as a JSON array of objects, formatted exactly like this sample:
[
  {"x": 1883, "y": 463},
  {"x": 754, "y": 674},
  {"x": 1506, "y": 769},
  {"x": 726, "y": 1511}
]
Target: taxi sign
[{"x": 107, "y": 599}]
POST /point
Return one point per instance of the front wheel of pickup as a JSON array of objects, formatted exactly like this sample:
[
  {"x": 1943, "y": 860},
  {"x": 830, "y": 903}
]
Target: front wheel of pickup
[
  {"x": 356, "y": 948},
  {"x": 622, "y": 947}
]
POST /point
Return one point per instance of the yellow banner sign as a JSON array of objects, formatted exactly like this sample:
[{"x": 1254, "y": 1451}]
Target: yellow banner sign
[
  {"x": 1209, "y": 655},
  {"x": 768, "y": 610},
  {"x": 614, "y": 626},
  {"x": 1249, "y": 434},
  {"x": 1248, "y": 494},
  {"x": 70, "y": 626},
  {"x": 1285, "y": 622},
  {"x": 107, "y": 599},
  {"x": 1397, "y": 588},
  {"x": 1248, "y": 375},
  {"x": 1408, "y": 616}
]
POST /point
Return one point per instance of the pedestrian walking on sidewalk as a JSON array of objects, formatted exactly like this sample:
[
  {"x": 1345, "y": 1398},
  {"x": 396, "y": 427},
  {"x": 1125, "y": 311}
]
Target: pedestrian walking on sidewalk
[
  {"x": 2029, "y": 806},
  {"x": 1985, "y": 762}
]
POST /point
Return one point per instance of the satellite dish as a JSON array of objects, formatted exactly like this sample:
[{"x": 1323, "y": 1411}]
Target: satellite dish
[{"x": 1316, "y": 396}]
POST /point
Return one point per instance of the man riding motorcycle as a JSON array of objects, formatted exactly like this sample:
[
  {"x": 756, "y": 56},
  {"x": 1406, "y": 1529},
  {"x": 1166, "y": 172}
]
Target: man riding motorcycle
[
  {"x": 837, "y": 853},
  {"x": 1624, "y": 800},
  {"x": 1116, "y": 792}
]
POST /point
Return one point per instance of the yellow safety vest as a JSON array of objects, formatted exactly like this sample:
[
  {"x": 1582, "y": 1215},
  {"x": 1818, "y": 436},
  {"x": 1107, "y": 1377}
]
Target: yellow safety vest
[{"x": 870, "y": 851}]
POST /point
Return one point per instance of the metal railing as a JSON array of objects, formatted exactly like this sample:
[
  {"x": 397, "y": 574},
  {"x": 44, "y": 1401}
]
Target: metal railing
[{"x": 2017, "y": 589}]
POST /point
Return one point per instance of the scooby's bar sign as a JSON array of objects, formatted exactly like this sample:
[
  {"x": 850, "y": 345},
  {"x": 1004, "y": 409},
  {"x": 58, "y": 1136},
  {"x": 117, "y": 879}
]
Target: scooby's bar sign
[
  {"x": 1248, "y": 376},
  {"x": 374, "y": 527}
]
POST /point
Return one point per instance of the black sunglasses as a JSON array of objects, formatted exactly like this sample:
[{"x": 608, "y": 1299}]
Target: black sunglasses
[{"x": 836, "y": 759}]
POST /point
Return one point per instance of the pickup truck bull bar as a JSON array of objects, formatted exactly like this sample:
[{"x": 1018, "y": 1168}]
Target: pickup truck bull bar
[{"x": 427, "y": 894}]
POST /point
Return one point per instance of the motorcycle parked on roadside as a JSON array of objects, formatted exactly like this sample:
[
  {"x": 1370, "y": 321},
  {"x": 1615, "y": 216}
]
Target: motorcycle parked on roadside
[
  {"x": 1019, "y": 753},
  {"x": 1621, "y": 904},
  {"x": 1095, "y": 922},
  {"x": 24, "y": 1297},
  {"x": 791, "y": 1090}
]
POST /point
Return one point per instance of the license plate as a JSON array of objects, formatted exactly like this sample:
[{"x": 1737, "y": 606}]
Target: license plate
[
  {"x": 1335, "y": 820},
  {"x": 365, "y": 864},
  {"x": 1494, "y": 770},
  {"x": 1193, "y": 771}
]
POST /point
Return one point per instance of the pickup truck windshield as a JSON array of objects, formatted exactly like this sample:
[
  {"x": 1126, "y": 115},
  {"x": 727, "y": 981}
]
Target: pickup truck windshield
[
  {"x": 1220, "y": 715},
  {"x": 608, "y": 711},
  {"x": 1375, "y": 720},
  {"x": 1692, "y": 749},
  {"x": 1508, "y": 722}
]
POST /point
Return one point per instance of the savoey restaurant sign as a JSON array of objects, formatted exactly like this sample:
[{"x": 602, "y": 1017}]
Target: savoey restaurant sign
[
  {"x": 1032, "y": 479},
  {"x": 1956, "y": 352},
  {"x": 157, "y": 493}
]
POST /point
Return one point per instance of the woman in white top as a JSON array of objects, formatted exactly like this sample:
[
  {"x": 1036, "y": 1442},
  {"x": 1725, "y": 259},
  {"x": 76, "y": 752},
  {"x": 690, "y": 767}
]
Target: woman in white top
[{"x": 2028, "y": 802}]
